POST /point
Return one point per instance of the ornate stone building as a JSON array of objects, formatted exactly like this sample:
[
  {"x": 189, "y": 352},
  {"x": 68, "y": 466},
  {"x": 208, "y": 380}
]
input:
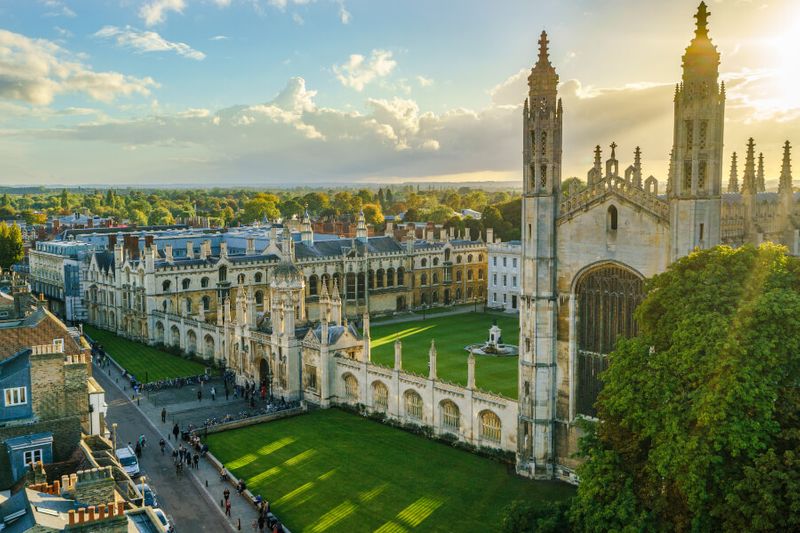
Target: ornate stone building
[{"x": 586, "y": 251}]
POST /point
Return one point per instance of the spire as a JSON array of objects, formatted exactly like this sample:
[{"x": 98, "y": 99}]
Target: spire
[
  {"x": 749, "y": 178},
  {"x": 543, "y": 80},
  {"x": 701, "y": 60},
  {"x": 597, "y": 158},
  {"x": 761, "y": 186},
  {"x": 544, "y": 51},
  {"x": 785, "y": 183},
  {"x": 733, "y": 181}
]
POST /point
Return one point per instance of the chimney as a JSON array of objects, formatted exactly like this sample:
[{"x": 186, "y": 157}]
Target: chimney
[
  {"x": 452, "y": 233},
  {"x": 251, "y": 246},
  {"x": 94, "y": 486},
  {"x": 168, "y": 253},
  {"x": 489, "y": 235},
  {"x": 223, "y": 249},
  {"x": 190, "y": 249},
  {"x": 148, "y": 240}
]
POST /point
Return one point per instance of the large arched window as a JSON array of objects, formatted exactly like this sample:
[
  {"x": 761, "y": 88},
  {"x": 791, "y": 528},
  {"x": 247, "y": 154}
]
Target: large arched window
[
  {"x": 312, "y": 284},
  {"x": 451, "y": 417},
  {"x": 491, "y": 428},
  {"x": 612, "y": 218},
  {"x": 606, "y": 297},
  {"x": 351, "y": 388},
  {"x": 186, "y": 283},
  {"x": 166, "y": 285},
  {"x": 380, "y": 397},
  {"x": 206, "y": 303},
  {"x": 204, "y": 282},
  {"x": 259, "y": 277},
  {"x": 413, "y": 405},
  {"x": 259, "y": 298}
]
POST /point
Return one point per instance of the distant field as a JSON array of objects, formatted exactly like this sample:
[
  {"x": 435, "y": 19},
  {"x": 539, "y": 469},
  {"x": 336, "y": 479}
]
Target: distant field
[
  {"x": 451, "y": 333},
  {"x": 144, "y": 362},
  {"x": 332, "y": 471}
]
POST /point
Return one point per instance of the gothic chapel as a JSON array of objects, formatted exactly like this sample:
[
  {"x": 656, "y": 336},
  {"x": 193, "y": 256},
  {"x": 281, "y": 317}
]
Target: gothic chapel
[{"x": 586, "y": 251}]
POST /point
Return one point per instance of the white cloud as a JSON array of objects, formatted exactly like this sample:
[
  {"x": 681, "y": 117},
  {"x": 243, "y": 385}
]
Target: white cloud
[
  {"x": 155, "y": 11},
  {"x": 222, "y": 3},
  {"x": 424, "y": 82},
  {"x": 298, "y": 19},
  {"x": 357, "y": 72},
  {"x": 147, "y": 41},
  {"x": 58, "y": 9},
  {"x": 62, "y": 32},
  {"x": 344, "y": 15},
  {"x": 220, "y": 38},
  {"x": 36, "y": 70}
]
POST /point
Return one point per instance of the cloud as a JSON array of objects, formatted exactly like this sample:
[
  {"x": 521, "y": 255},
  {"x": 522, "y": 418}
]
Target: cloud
[
  {"x": 155, "y": 11},
  {"x": 297, "y": 19},
  {"x": 424, "y": 82},
  {"x": 344, "y": 15},
  {"x": 222, "y": 3},
  {"x": 36, "y": 70},
  {"x": 58, "y": 9},
  {"x": 147, "y": 41},
  {"x": 220, "y": 38},
  {"x": 357, "y": 72}
]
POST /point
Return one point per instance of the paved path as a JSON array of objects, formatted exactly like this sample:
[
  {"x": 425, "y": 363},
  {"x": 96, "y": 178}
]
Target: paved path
[
  {"x": 415, "y": 316},
  {"x": 186, "y": 500}
]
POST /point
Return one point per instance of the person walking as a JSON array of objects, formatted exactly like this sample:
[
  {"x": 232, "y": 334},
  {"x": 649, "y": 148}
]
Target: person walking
[
  {"x": 227, "y": 391},
  {"x": 213, "y": 394},
  {"x": 175, "y": 431},
  {"x": 226, "y": 494},
  {"x": 162, "y": 444},
  {"x": 199, "y": 395},
  {"x": 138, "y": 450},
  {"x": 228, "y": 508},
  {"x": 196, "y": 460},
  {"x": 163, "y": 415}
]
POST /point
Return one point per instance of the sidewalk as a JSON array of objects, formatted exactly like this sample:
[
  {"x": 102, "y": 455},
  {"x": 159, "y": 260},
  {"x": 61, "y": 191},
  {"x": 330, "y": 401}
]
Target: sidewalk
[
  {"x": 416, "y": 316},
  {"x": 243, "y": 513}
]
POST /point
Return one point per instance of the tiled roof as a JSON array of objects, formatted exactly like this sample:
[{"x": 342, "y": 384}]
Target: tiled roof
[{"x": 38, "y": 328}]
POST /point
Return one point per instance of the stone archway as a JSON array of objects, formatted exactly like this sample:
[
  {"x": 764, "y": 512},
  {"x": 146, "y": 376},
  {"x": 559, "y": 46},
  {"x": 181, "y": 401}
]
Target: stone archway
[{"x": 263, "y": 371}]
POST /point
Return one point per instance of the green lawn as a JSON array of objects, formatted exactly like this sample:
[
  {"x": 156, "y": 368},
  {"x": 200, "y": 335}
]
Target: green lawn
[
  {"x": 144, "y": 362},
  {"x": 452, "y": 334},
  {"x": 333, "y": 471}
]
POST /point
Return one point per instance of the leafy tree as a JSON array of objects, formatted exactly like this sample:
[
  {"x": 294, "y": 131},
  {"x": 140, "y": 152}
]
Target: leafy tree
[
  {"x": 700, "y": 413},
  {"x": 316, "y": 202},
  {"x": 32, "y": 218},
  {"x": 440, "y": 214},
  {"x": 290, "y": 208},
  {"x": 412, "y": 215},
  {"x": 257, "y": 209},
  {"x": 528, "y": 517},
  {"x": 373, "y": 214},
  {"x": 569, "y": 181},
  {"x": 11, "y": 245},
  {"x": 64, "y": 200},
  {"x": 137, "y": 217},
  {"x": 160, "y": 216}
]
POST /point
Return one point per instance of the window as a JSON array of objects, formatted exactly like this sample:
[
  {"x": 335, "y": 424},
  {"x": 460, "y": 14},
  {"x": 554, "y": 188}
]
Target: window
[
  {"x": 494, "y": 279},
  {"x": 505, "y": 298},
  {"x": 450, "y": 416},
  {"x": 16, "y": 396},
  {"x": 435, "y": 261},
  {"x": 32, "y": 456},
  {"x": 413, "y": 403},
  {"x": 350, "y": 388},
  {"x": 494, "y": 261},
  {"x": 612, "y": 218},
  {"x": 259, "y": 298},
  {"x": 494, "y": 297},
  {"x": 380, "y": 397},
  {"x": 470, "y": 274},
  {"x": 458, "y": 259},
  {"x": 204, "y": 282},
  {"x": 206, "y": 303},
  {"x": 424, "y": 262},
  {"x": 505, "y": 280},
  {"x": 514, "y": 281},
  {"x": 458, "y": 276},
  {"x": 310, "y": 377},
  {"x": 469, "y": 258},
  {"x": 240, "y": 279},
  {"x": 701, "y": 231},
  {"x": 480, "y": 274},
  {"x": 435, "y": 277},
  {"x": 490, "y": 427},
  {"x": 185, "y": 283},
  {"x": 259, "y": 277},
  {"x": 423, "y": 279},
  {"x": 514, "y": 262},
  {"x": 504, "y": 262},
  {"x": 165, "y": 286}
]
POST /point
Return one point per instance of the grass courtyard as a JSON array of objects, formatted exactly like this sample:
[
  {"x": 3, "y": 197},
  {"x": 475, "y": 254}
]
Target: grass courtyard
[
  {"x": 333, "y": 471},
  {"x": 144, "y": 362},
  {"x": 451, "y": 333}
]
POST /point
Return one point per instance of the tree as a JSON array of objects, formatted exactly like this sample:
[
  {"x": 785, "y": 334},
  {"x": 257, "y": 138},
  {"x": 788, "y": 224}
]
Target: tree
[
  {"x": 700, "y": 413},
  {"x": 412, "y": 215},
  {"x": 290, "y": 208},
  {"x": 137, "y": 217},
  {"x": 316, "y": 202},
  {"x": 64, "y": 201},
  {"x": 440, "y": 214},
  {"x": 258, "y": 209},
  {"x": 527, "y": 517},
  {"x": 373, "y": 214},
  {"x": 160, "y": 216},
  {"x": 11, "y": 246}
]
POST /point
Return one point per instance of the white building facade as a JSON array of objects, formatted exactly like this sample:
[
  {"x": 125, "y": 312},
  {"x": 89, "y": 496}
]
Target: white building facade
[{"x": 504, "y": 275}]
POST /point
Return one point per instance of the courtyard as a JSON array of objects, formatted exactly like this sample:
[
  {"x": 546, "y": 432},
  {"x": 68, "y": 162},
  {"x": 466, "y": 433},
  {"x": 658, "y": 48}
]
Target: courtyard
[
  {"x": 144, "y": 362},
  {"x": 333, "y": 471},
  {"x": 451, "y": 334}
]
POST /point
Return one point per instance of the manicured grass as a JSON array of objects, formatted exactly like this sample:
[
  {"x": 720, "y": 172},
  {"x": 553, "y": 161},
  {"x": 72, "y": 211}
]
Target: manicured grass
[
  {"x": 144, "y": 362},
  {"x": 334, "y": 471},
  {"x": 451, "y": 334}
]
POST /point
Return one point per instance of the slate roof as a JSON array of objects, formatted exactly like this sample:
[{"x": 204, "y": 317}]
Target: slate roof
[
  {"x": 39, "y": 327},
  {"x": 335, "y": 332}
]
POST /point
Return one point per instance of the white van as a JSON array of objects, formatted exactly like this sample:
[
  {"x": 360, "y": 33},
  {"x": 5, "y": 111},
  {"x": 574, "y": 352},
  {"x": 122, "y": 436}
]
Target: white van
[{"x": 128, "y": 461}]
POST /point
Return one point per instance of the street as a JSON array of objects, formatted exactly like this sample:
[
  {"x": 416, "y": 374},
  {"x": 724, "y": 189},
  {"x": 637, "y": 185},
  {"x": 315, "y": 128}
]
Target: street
[{"x": 188, "y": 506}]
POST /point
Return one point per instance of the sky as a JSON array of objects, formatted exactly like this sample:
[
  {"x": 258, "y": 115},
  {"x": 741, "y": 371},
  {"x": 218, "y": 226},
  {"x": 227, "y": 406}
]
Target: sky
[{"x": 303, "y": 92}]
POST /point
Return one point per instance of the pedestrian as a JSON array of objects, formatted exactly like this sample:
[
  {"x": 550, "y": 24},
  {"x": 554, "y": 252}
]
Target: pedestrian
[
  {"x": 142, "y": 440},
  {"x": 174, "y": 455},
  {"x": 196, "y": 460},
  {"x": 175, "y": 431},
  {"x": 261, "y": 522},
  {"x": 213, "y": 394},
  {"x": 138, "y": 450},
  {"x": 227, "y": 508},
  {"x": 162, "y": 444},
  {"x": 164, "y": 415},
  {"x": 226, "y": 493},
  {"x": 199, "y": 395}
]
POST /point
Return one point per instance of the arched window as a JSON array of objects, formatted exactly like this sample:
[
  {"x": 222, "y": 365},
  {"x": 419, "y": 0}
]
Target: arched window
[
  {"x": 491, "y": 429},
  {"x": 223, "y": 273},
  {"x": 312, "y": 285},
  {"x": 435, "y": 261},
  {"x": 423, "y": 279},
  {"x": 480, "y": 273},
  {"x": 606, "y": 298},
  {"x": 435, "y": 278},
  {"x": 469, "y": 258},
  {"x": 435, "y": 297},
  {"x": 423, "y": 262},
  {"x": 446, "y": 255},
  {"x": 413, "y": 405},
  {"x": 458, "y": 293},
  {"x": 351, "y": 388},
  {"x": 166, "y": 285},
  {"x": 401, "y": 276},
  {"x": 350, "y": 292},
  {"x": 259, "y": 277},
  {"x": 469, "y": 275},
  {"x": 451, "y": 417},
  {"x": 380, "y": 275},
  {"x": 240, "y": 279},
  {"x": 188, "y": 305},
  {"x": 390, "y": 277},
  {"x": 424, "y": 299},
  {"x": 206, "y": 303},
  {"x": 458, "y": 276},
  {"x": 458, "y": 259},
  {"x": 185, "y": 283},
  {"x": 612, "y": 218},
  {"x": 480, "y": 258},
  {"x": 204, "y": 282},
  {"x": 380, "y": 397},
  {"x": 259, "y": 298}
]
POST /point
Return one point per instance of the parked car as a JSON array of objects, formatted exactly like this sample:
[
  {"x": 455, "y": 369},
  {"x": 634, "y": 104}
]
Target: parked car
[
  {"x": 164, "y": 520},
  {"x": 128, "y": 461},
  {"x": 149, "y": 495}
]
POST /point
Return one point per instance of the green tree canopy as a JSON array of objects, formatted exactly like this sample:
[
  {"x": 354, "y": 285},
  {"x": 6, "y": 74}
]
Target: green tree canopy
[
  {"x": 373, "y": 214},
  {"x": 11, "y": 246},
  {"x": 700, "y": 413},
  {"x": 160, "y": 216}
]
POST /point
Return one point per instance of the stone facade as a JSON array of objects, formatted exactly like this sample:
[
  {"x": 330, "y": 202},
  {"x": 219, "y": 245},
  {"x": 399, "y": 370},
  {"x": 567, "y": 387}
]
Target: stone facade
[
  {"x": 504, "y": 275},
  {"x": 587, "y": 250}
]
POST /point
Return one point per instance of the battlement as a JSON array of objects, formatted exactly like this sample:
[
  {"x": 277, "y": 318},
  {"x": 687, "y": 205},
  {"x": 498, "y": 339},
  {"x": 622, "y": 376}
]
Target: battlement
[
  {"x": 47, "y": 488},
  {"x": 84, "y": 515},
  {"x": 47, "y": 349},
  {"x": 79, "y": 359}
]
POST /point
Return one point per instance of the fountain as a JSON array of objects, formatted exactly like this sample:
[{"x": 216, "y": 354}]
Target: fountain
[{"x": 494, "y": 344}]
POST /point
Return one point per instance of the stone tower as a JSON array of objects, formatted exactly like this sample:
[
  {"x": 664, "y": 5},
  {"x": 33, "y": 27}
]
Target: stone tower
[
  {"x": 697, "y": 146},
  {"x": 542, "y": 127}
]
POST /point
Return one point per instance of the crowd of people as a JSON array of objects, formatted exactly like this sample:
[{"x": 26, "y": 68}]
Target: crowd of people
[{"x": 266, "y": 521}]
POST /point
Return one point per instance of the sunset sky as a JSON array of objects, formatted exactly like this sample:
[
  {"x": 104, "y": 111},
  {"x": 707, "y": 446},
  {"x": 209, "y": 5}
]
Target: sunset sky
[{"x": 287, "y": 92}]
